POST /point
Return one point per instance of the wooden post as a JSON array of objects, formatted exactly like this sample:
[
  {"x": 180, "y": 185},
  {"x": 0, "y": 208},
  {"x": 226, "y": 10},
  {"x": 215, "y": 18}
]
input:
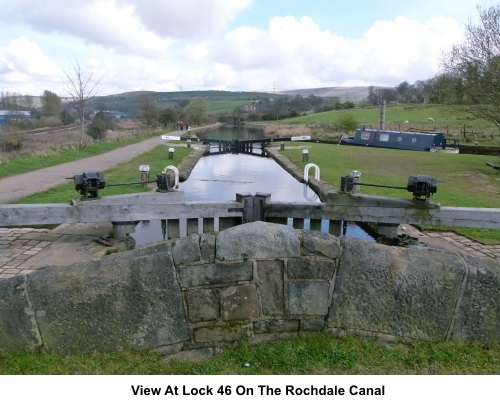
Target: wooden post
[
  {"x": 315, "y": 225},
  {"x": 298, "y": 223},
  {"x": 259, "y": 203},
  {"x": 335, "y": 228},
  {"x": 173, "y": 228},
  {"x": 247, "y": 200},
  {"x": 192, "y": 226},
  {"x": 381, "y": 125},
  {"x": 389, "y": 231},
  {"x": 122, "y": 229}
]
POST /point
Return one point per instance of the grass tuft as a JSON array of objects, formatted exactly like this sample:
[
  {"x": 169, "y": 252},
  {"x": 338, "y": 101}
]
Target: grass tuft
[{"x": 315, "y": 354}]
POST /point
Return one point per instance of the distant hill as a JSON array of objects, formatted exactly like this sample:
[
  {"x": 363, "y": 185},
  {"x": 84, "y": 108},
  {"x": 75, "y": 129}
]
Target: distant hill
[
  {"x": 125, "y": 102},
  {"x": 343, "y": 93},
  {"x": 128, "y": 101}
]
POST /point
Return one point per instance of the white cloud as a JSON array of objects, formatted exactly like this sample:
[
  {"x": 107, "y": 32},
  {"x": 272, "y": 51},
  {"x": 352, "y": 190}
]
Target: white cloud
[
  {"x": 144, "y": 27},
  {"x": 187, "y": 18},
  {"x": 298, "y": 52},
  {"x": 99, "y": 22},
  {"x": 24, "y": 66},
  {"x": 161, "y": 45}
]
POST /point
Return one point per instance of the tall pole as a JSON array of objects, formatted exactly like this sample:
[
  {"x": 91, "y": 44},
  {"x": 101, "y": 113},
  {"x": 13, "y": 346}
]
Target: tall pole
[{"x": 382, "y": 116}]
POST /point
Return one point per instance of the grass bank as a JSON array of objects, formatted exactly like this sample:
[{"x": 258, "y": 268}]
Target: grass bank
[
  {"x": 157, "y": 159},
  {"x": 448, "y": 119},
  {"x": 47, "y": 158},
  {"x": 310, "y": 355},
  {"x": 464, "y": 180}
]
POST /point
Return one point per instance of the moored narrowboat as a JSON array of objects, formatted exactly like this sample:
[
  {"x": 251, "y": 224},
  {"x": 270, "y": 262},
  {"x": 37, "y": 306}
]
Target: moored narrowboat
[{"x": 379, "y": 138}]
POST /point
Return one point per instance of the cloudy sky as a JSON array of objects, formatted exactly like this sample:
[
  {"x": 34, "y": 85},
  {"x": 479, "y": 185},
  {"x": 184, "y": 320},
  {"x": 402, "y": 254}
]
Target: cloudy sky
[{"x": 236, "y": 45}]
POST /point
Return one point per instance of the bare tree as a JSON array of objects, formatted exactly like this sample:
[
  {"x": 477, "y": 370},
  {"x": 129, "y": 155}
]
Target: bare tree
[
  {"x": 477, "y": 63},
  {"x": 149, "y": 113},
  {"x": 81, "y": 87}
]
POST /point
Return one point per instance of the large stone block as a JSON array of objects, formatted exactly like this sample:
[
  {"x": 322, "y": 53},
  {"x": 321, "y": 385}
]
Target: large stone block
[
  {"x": 276, "y": 326},
  {"x": 214, "y": 273},
  {"x": 18, "y": 327},
  {"x": 404, "y": 292},
  {"x": 186, "y": 250},
  {"x": 123, "y": 300},
  {"x": 311, "y": 267},
  {"x": 207, "y": 247},
  {"x": 478, "y": 314},
  {"x": 240, "y": 302},
  {"x": 230, "y": 332},
  {"x": 203, "y": 304},
  {"x": 258, "y": 240},
  {"x": 316, "y": 242},
  {"x": 270, "y": 281},
  {"x": 308, "y": 297}
]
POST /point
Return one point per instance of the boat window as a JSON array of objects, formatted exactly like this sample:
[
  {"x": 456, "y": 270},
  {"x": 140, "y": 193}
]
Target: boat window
[
  {"x": 384, "y": 137},
  {"x": 365, "y": 135}
]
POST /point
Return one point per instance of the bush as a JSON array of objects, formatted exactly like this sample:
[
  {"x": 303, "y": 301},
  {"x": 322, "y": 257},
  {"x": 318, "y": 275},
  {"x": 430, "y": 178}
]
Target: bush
[
  {"x": 97, "y": 129},
  {"x": 347, "y": 122},
  {"x": 11, "y": 141},
  {"x": 49, "y": 122}
]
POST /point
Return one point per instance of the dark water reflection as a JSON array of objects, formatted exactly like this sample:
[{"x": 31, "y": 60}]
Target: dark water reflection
[
  {"x": 220, "y": 177},
  {"x": 242, "y": 133}
]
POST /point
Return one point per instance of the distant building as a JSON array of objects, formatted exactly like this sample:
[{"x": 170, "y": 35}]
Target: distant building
[
  {"x": 7, "y": 116},
  {"x": 115, "y": 114},
  {"x": 250, "y": 107}
]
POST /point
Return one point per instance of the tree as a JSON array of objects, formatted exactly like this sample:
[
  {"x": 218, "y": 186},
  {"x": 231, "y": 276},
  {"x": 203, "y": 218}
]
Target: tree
[
  {"x": 81, "y": 87},
  {"x": 100, "y": 123},
  {"x": 51, "y": 104},
  {"x": 97, "y": 128},
  {"x": 238, "y": 115},
  {"x": 196, "y": 111},
  {"x": 376, "y": 96},
  {"x": 168, "y": 116},
  {"x": 68, "y": 116},
  {"x": 149, "y": 113},
  {"x": 447, "y": 89},
  {"x": 476, "y": 62}
]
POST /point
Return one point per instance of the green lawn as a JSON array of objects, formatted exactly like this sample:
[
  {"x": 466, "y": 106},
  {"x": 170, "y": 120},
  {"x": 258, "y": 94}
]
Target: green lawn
[{"x": 464, "y": 180}]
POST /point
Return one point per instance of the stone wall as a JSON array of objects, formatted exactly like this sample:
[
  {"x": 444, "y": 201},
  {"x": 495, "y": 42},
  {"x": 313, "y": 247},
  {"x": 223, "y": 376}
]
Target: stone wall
[{"x": 259, "y": 282}]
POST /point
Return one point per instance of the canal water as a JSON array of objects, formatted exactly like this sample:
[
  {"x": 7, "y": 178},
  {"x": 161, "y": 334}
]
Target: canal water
[
  {"x": 240, "y": 132},
  {"x": 219, "y": 177}
]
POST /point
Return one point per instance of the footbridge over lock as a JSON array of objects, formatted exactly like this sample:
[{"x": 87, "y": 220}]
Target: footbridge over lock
[
  {"x": 181, "y": 218},
  {"x": 248, "y": 146}
]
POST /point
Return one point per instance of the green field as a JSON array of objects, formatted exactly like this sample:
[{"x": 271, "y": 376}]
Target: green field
[
  {"x": 446, "y": 119},
  {"x": 225, "y": 107},
  {"x": 225, "y": 101}
]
